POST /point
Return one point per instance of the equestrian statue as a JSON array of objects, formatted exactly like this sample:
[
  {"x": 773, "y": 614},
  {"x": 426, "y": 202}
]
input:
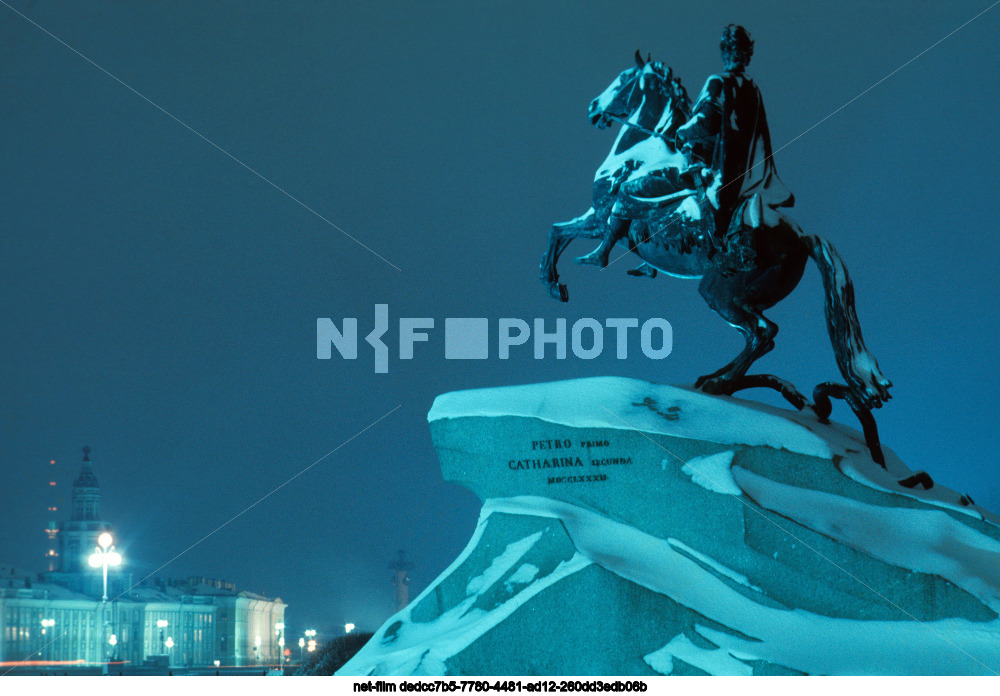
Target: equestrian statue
[{"x": 694, "y": 192}]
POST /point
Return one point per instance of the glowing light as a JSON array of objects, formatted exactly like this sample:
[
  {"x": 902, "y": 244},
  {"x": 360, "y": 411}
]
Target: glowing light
[
  {"x": 161, "y": 623},
  {"x": 41, "y": 663},
  {"x": 312, "y": 646},
  {"x": 113, "y": 640},
  {"x": 302, "y": 642},
  {"x": 95, "y": 560},
  {"x": 279, "y": 627},
  {"x": 104, "y": 540},
  {"x": 170, "y": 642},
  {"x": 348, "y": 628},
  {"x": 217, "y": 663}
]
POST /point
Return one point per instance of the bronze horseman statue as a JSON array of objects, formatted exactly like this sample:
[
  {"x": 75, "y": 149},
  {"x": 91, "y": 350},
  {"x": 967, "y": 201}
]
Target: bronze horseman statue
[{"x": 695, "y": 194}]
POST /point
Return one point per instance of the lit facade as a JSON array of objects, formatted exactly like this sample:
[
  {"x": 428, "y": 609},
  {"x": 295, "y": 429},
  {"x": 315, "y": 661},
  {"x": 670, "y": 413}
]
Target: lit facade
[{"x": 57, "y": 618}]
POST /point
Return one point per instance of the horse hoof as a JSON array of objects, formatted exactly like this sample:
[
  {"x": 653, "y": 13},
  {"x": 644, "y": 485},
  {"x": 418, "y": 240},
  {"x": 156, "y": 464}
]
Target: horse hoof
[
  {"x": 559, "y": 292},
  {"x": 591, "y": 259},
  {"x": 643, "y": 270},
  {"x": 706, "y": 384},
  {"x": 717, "y": 386}
]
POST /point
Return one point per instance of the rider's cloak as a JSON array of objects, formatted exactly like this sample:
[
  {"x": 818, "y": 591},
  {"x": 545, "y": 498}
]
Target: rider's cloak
[{"x": 728, "y": 132}]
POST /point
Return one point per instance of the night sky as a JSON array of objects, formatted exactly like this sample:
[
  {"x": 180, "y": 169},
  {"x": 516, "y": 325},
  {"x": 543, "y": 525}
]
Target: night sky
[{"x": 160, "y": 300}]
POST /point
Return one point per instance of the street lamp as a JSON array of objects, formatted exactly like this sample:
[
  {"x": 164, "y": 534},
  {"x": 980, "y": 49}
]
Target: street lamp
[
  {"x": 169, "y": 644},
  {"x": 161, "y": 624},
  {"x": 104, "y": 555},
  {"x": 348, "y": 628},
  {"x": 279, "y": 631},
  {"x": 47, "y": 623},
  {"x": 302, "y": 645},
  {"x": 311, "y": 635}
]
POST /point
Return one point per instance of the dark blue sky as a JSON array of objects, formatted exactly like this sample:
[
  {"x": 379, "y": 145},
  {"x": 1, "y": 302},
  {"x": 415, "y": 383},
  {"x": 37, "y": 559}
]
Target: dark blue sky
[{"x": 160, "y": 299}]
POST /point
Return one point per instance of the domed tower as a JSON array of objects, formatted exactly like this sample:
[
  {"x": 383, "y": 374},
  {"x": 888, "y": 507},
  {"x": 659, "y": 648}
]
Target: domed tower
[{"x": 78, "y": 537}]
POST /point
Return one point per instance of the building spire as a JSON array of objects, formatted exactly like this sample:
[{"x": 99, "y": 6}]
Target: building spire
[
  {"x": 79, "y": 535},
  {"x": 86, "y": 479}
]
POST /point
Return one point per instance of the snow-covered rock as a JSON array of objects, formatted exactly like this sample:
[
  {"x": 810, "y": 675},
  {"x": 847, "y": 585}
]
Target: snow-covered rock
[{"x": 633, "y": 528}]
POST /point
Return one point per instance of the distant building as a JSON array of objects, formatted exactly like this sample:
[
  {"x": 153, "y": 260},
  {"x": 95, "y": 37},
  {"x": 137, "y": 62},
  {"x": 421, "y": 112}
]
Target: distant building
[{"x": 57, "y": 617}]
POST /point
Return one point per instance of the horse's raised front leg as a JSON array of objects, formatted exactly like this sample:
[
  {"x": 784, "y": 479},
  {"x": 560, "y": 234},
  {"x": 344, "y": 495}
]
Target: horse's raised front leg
[
  {"x": 758, "y": 330},
  {"x": 584, "y": 227},
  {"x": 615, "y": 230}
]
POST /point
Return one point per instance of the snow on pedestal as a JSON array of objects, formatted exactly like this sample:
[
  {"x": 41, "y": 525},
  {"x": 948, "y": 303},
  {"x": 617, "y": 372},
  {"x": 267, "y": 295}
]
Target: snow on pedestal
[{"x": 632, "y": 528}]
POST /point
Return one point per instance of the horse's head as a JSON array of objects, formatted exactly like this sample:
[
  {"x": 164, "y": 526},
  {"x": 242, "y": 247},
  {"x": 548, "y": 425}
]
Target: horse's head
[{"x": 649, "y": 83}]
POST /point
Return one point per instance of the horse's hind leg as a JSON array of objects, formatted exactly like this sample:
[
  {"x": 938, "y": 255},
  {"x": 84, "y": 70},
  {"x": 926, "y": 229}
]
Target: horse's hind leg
[
  {"x": 758, "y": 330},
  {"x": 561, "y": 234}
]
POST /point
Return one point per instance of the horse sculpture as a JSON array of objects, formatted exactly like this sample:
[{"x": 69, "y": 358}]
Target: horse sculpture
[{"x": 759, "y": 263}]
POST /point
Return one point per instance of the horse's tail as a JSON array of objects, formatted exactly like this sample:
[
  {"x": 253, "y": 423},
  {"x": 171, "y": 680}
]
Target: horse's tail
[{"x": 856, "y": 363}]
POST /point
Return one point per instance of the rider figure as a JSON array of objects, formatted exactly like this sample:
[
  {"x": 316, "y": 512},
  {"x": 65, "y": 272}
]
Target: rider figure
[
  {"x": 728, "y": 134},
  {"x": 729, "y": 145}
]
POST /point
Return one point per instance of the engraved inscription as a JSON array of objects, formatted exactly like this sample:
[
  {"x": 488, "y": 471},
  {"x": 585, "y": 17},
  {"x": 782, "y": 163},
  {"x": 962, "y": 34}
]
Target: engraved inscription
[
  {"x": 612, "y": 461},
  {"x": 550, "y": 444},
  {"x": 565, "y": 453},
  {"x": 577, "y": 479},
  {"x": 553, "y": 463}
]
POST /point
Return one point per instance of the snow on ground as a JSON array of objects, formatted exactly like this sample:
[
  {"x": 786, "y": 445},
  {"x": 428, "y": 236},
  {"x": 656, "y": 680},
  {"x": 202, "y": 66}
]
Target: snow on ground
[
  {"x": 857, "y": 465},
  {"x": 631, "y": 404},
  {"x": 405, "y": 647},
  {"x": 928, "y": 541},
  {"x": 798, "y": 639},
  {"x": 522, "y": 576},
  {"x": 501, "y": 564},
  {"x": 713, "y": 564},
  {"x": 621, "y": 403},
  {"x": 712, "y": 472},
  {"x": 715, "y": 661}
]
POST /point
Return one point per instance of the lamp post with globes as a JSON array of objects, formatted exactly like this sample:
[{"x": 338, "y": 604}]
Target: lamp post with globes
[
  {"x": 104, "y": 555},
  {"x": 169, "y": 644},
  {"x": 279, "y": 632}
]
